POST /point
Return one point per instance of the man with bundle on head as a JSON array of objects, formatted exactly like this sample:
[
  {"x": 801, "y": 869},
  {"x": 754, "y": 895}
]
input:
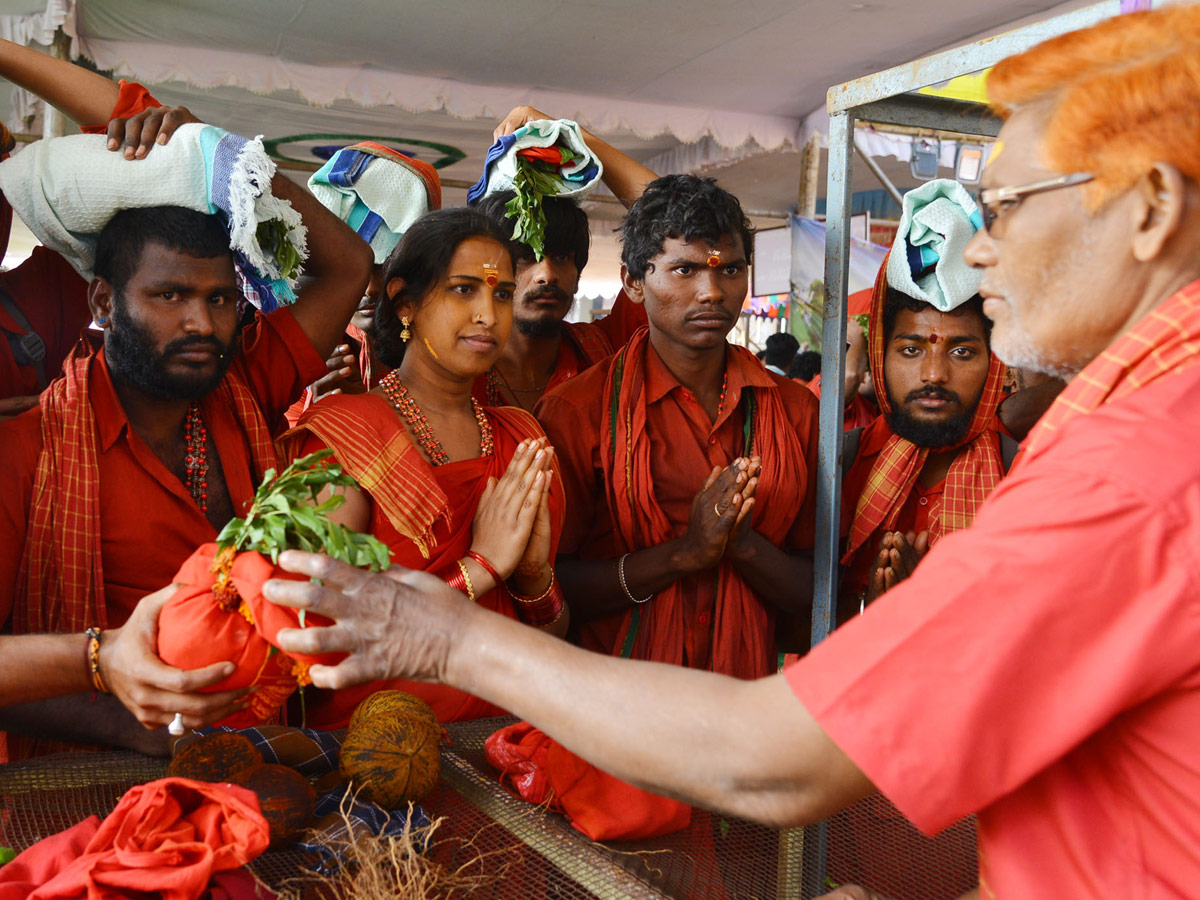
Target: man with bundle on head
[
  {"x": 922, "y": 469},
  {"x": 543, "y": 350},
  {"x": 1041, "y": 668},
  {"x": 686, "y": 464},
  {"x": 162, "y": 425}
]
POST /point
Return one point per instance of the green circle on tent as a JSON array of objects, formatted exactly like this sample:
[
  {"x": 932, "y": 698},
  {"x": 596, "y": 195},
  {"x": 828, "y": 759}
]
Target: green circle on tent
[{"x": 275, "y": 146}]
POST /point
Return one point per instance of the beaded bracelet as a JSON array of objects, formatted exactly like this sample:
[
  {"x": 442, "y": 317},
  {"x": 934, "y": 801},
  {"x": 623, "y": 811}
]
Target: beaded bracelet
[
  {"x": 487, "y": 566},
  {"x": 624, "y": 586},
  {"x": 93, "y": 660}
]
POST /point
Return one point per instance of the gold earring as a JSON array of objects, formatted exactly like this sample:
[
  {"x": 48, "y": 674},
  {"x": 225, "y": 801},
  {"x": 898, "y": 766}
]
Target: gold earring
[{"x": 405, "y": 334}]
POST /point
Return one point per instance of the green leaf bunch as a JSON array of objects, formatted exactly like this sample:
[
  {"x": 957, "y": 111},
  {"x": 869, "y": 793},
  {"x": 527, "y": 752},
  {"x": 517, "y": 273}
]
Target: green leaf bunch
[
  {"x": 534, "y": 180},
  {"x": 286, "y": 515},
  {"x": 272, "y": 236}
]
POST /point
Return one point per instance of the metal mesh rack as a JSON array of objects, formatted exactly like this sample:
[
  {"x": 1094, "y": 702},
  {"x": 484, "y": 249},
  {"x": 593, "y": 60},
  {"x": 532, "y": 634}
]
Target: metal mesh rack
[{"x": 539, "y": 853}]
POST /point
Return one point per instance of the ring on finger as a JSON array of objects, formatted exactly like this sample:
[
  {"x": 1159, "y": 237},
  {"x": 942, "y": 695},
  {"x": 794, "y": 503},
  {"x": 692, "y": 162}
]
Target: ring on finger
[{"x": 717, "y": 509}]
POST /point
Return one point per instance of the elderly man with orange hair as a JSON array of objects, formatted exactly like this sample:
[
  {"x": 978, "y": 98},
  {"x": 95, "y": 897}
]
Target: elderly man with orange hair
[{"x": 1041, "y": 668}]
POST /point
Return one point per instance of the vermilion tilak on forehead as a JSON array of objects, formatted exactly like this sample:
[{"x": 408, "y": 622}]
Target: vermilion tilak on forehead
[
  {"x": 714, "y": 258},
  {"x": 933, "y": 337}
]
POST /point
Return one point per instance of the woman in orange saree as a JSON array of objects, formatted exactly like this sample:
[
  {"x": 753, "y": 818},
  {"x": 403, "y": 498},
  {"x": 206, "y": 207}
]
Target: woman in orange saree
[{"x": 467, "y": 493}]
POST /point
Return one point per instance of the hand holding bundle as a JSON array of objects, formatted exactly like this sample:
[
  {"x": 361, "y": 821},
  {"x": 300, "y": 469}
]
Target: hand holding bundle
[{"x": 220, "y": 614}]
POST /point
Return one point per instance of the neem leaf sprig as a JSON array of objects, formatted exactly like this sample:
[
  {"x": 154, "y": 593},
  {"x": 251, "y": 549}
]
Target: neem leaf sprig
[
  {"x": 286, "y": 515},
  {"x": 535, "y": 178}
]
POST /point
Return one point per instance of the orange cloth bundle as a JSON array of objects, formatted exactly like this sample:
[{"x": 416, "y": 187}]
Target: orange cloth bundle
[
  {"x": 165, "y": 839},
  {"x": 221, "y": 614},
  {"x": 537, "y": 768},
  {"x": 205, "y": 623}
]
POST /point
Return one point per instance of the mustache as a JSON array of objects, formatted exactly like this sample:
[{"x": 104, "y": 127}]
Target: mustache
[
  {"x": 933, "y": 393},
  {"x": 548, "y": 291},
  {"x": 193, "y": 342}
]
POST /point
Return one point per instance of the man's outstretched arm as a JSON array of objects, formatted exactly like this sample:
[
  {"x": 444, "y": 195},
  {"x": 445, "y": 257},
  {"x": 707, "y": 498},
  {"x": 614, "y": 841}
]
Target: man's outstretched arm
[{"x": 749, "y": 748}]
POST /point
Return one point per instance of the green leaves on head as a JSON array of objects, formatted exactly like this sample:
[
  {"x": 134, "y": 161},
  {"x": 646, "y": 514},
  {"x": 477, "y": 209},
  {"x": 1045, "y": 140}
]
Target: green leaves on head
[
  {"x": 286, "y": 515},
  {"x": 534, "y": 180}
]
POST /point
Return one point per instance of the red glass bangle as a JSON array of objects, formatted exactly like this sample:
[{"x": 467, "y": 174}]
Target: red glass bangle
[
  {"x": 545, "y": 610},
  {"x": 487, "y": 566}
]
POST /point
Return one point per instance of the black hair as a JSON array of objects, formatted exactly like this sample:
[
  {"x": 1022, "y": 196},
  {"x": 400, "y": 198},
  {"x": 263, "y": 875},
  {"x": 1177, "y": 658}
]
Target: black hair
[
  {"x": 896, "y": 301},
  {"x": 119, "y": 247},
  {"x": 687, "y": 207},
  {"x": 421, "y": 259},
  {"x": 782, "y": 348},
  {"x": 805, "y": 366},
  {"x": 567, "y": 228}
]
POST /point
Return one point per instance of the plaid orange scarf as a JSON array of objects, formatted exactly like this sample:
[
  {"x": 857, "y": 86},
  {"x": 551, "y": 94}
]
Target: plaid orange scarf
[
  {"x": 60, "y": 580},
  {"x": 1162, "y": 343},
  {"x": 973, "y": 475}
]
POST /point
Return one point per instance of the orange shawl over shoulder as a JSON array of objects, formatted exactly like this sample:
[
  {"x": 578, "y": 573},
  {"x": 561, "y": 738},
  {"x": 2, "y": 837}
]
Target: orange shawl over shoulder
[
  {"x": 972, "y": 476},
  {"x": 743, "y": 626},
  {"x": 423, "y": 513},
  {"x": 61, "y": 566}
]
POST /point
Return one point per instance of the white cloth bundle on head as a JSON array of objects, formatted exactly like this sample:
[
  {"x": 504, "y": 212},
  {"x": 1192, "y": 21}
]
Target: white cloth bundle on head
[
  {"x": 67, "y": 189},
  {"x": 926, "y": 261},
  {"x": 578, "y": 177},
  {"x": 377, "y": 192}
]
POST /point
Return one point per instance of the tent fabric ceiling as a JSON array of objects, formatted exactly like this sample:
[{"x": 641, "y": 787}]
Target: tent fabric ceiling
[{"x": 753, "y": 70}]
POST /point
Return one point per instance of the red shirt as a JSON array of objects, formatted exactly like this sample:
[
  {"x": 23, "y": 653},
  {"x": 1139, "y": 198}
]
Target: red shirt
[
  {"x": 1042, "y": 667},
  {"x": 685, "y": 447},
  {"x": 53, "y": 298},
  {"x": 149, "y": 523}
]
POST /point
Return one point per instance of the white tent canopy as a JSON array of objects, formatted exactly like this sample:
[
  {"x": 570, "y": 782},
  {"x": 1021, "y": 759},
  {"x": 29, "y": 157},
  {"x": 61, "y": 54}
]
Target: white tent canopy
[{"x": 702, "y": 85}]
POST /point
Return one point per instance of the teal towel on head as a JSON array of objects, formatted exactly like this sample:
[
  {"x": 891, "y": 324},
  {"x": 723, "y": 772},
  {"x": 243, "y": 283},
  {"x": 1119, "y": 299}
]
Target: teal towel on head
[{"x": 926, "y": 261}]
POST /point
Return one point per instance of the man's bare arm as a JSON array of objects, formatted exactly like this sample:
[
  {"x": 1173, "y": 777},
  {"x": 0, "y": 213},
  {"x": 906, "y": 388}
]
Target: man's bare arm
[
  {"x": 749, "y": 748},
  {"x": 336, "y": 273},
  {"x": 85, "y": 97}
]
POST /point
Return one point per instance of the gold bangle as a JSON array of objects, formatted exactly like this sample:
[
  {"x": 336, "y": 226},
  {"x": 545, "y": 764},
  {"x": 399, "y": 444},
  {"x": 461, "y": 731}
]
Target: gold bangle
[
  {"x": 521, "y": 598},
  {"x": 462, "y": 567}
]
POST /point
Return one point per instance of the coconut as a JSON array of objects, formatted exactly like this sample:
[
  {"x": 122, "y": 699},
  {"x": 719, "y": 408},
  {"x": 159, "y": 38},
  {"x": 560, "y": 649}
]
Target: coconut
[
  {"x": 215, "y": 758},
  {"x": 391, "y": 754},
  {"x": 285, "y": 798}
]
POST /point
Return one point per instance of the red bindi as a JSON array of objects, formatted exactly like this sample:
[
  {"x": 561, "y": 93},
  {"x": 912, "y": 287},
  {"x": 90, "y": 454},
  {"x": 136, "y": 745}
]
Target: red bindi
[
  {"x": 933, "y": 338},
  {"x": 714, "y": 258}
]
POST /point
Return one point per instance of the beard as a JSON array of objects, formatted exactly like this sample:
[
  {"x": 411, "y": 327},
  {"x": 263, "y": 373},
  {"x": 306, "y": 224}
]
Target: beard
[
  {"x": 930, "y": 434},
  {"x": 544, "y": 325},
  {"x": 129, "y": 350},
  {"x": 1018, "y": 349}
]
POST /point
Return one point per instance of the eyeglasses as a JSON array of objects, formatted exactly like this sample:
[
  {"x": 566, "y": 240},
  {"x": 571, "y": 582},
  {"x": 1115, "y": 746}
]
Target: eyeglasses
[{"x": 996, "y": 201}]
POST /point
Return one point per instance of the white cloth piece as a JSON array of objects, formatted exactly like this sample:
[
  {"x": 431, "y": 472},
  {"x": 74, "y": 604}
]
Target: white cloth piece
[
  {"x": 66, "y": 189},
  {"x": 937, "y": 216}
]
